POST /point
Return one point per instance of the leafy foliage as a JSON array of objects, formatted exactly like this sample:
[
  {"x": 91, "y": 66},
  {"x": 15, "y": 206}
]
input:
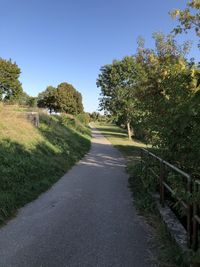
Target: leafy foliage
[
  {"x": 94, "y": 116},
  {"x": 47, "y": 99},
  {"x": 157, "y": 91},
  {"x": 26, "y": 100},
  {"x": 83, "y": 118},
  {"x": 64, "y": 98},
  {"x": 10, "y": 86},
  {"x": 189, "y": 18},
  {"x": 69, "y": 100},
  {"x": 117, "y": 82}
]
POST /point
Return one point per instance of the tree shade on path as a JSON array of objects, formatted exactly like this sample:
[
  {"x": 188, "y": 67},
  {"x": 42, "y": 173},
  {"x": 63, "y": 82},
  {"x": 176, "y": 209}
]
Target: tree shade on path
[{"x": 86, "y": 219}]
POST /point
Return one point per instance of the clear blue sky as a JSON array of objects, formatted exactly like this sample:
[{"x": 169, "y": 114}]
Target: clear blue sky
[{"x": 54, "y": 41}]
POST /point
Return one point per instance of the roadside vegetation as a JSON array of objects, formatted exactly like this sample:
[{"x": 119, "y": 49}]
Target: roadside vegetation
[
  {"x": 154, "y": 94},
  {"x": 166, "y": 252},
  {"x": 32, "y": 159}
]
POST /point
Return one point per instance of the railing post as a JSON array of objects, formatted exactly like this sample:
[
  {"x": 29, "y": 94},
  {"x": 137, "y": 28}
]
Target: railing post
[
  {"x": 162, "y": 188},
  {"x": 147, "y": 164},
  {"x": 189, "y": 214},
  {"x": 141, "y": 160},
  {"x": 195, "y": 224}
]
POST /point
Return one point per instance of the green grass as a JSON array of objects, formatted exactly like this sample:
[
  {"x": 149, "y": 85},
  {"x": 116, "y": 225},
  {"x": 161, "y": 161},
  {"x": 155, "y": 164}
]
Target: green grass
[
  {"x": 118, "y": 137},
  {"x": 168, "y": 254},
  {"x": 32, "y": 159}
]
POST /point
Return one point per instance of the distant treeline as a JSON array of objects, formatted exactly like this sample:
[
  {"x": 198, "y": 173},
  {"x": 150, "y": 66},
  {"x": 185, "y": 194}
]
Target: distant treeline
[{"x": 64, "y": 98}]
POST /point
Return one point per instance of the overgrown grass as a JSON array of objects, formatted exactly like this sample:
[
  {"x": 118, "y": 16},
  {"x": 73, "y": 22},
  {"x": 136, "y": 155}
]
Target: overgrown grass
[
  {"x": 32, "y": 159},
  {"x": 168, "y": 254}
]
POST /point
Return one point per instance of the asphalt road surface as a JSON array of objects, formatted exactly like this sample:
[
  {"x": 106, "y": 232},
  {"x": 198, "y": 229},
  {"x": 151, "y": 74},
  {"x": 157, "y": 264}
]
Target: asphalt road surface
[{"x": 86, "y": 219}]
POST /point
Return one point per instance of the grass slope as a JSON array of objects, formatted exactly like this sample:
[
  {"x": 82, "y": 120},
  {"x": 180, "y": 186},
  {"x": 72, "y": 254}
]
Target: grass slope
[{"x": 32, "y": 159}]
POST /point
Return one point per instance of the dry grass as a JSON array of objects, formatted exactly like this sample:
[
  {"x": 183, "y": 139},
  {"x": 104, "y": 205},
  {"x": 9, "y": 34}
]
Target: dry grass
[
  {"x": 32, "y": 159},
  {"x": 17, "y": 128}
]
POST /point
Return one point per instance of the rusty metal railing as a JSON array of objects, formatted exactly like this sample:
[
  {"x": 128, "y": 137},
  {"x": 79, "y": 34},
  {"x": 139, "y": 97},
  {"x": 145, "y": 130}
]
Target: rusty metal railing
[
  {"x": 163, "y": 168},
  {"x": 196, "y": 215}
]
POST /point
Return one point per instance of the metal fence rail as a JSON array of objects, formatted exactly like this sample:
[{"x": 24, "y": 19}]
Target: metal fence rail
[
  {"x": 150, "y": 161},
  {"x": 196, "y": 216}
]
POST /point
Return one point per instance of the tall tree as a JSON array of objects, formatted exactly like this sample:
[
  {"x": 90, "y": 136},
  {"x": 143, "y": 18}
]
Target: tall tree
[
  {"x": 64, "y": 98},
  {"x": 48, "y": 99},
  {"x": 167, "y": 99},
  {"x": 10, "y": 86},
  {"x": 69, "y": 100},
  {"x": 117, "y": 82}
]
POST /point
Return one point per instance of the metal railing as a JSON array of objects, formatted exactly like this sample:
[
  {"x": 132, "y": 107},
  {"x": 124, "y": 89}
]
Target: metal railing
[
  {"x": 196, "y": 215},
  {"x": 149, "y": 161}
]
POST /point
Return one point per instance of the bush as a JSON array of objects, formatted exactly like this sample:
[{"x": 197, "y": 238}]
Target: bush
[{"x": 83, "y": 118}]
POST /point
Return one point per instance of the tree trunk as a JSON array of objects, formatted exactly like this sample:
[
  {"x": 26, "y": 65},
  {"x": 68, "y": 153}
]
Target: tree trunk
[{"x": 129, "y": 130}]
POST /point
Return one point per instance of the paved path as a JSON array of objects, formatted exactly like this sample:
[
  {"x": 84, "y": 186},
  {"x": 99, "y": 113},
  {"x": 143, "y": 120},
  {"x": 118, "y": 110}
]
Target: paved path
[{"x": 86, "y": 219}]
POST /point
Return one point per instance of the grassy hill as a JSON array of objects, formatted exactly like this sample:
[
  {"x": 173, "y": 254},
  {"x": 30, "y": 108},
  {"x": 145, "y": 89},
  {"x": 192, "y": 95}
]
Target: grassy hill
[{"x": 32, "y": 159}]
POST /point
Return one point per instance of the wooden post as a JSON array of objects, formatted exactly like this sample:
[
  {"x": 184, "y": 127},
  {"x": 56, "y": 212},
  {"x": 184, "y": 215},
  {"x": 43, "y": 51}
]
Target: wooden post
[
  {"x": 195, "y": 223},
  {"x": 195, "y": 228},
  {"x": 141, "y": 160},
  {"x": 162, "y": 188},
  {"x": 189, "y": 215},
  {"x": 146, "y": 164}
]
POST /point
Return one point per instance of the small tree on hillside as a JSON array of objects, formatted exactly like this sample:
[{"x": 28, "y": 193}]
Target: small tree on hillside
[
  {"x": 23, "y": 99},
  {"x": 64, "y": 98},
  {"x": 48, "y": 99},
  {"x": 10, "y": 86},
  {"x": 26, "y": 100},
  {"x": 32, "y": 101},
  {"x": 69, "y": 100}
]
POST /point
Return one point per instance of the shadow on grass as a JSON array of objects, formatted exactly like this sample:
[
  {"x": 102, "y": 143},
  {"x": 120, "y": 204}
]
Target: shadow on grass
[
  {"x": 113, "y": 129},
  {"x": 112, "y": 132},
  {"x": 66, "y": 140}
]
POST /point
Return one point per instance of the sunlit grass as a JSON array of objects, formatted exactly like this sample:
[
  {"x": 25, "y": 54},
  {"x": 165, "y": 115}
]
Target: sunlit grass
[
  {"x": 32, "y": 159},
  {"x": 118, "y": 137},
  {"x": 166, "y": 252}
]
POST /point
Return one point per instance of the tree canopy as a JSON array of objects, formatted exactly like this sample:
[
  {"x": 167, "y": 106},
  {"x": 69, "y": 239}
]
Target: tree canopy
[
  {"x": 64, "y": 98},
  {"x": 69, "y": 100},
  {"x": 47, "y": 99},
  {"x": 10, "y": 86},
  {"x": 117, "y": 82},
  {"x": 188, "y": 19},
  {"x": 155, "y": 93}
]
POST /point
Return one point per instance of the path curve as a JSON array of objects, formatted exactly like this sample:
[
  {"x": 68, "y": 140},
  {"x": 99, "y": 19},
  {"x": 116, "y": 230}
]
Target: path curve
[{"x": 85, "y": 220}]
